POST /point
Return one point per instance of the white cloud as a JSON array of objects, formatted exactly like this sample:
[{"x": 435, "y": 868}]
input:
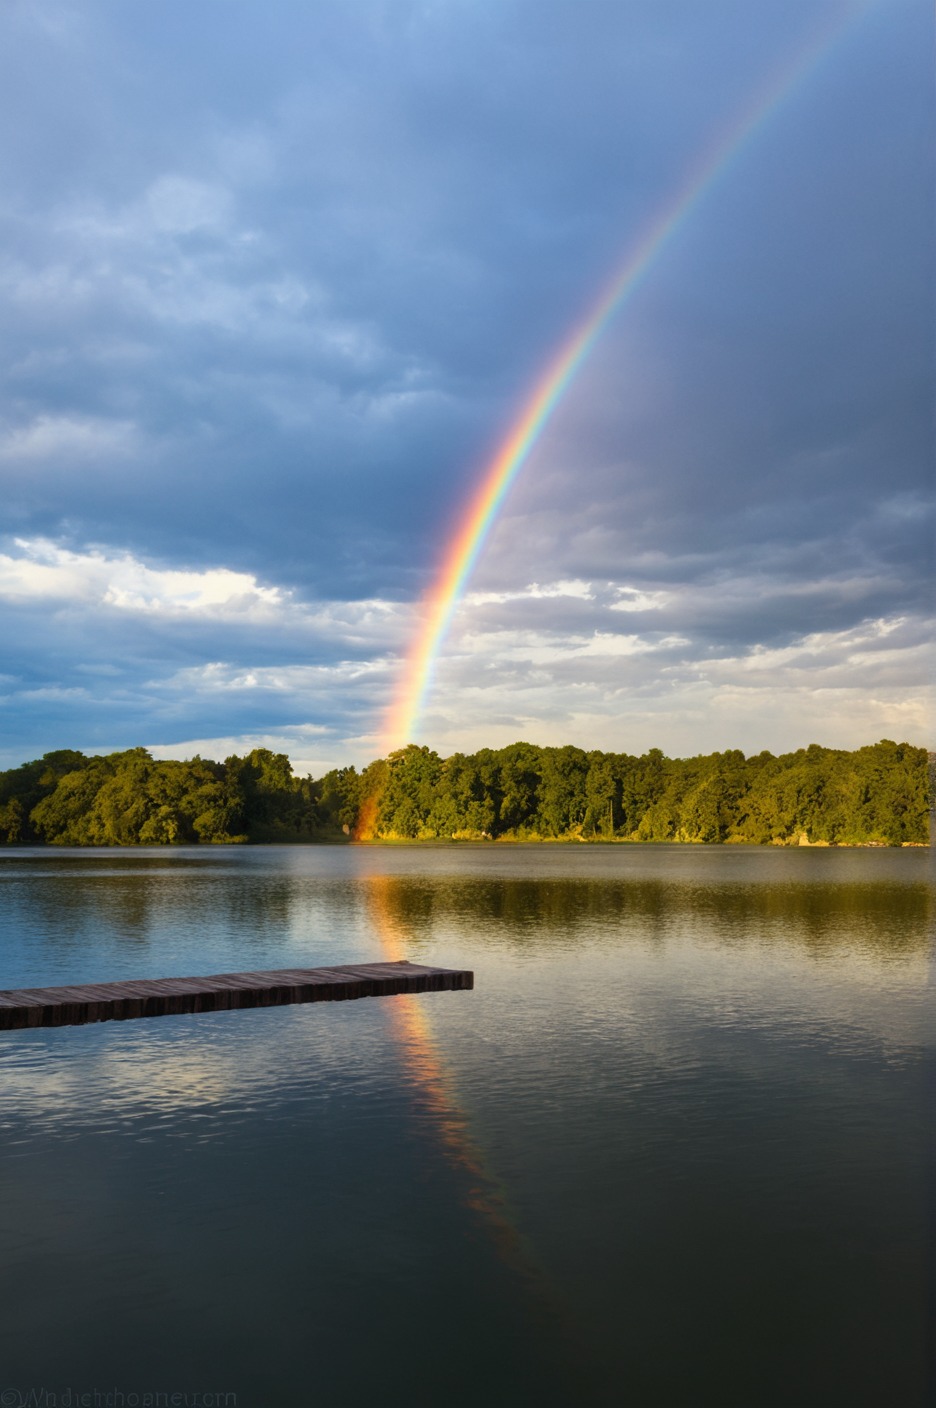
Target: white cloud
[
  {"x": 302, "y": 744},
  {"x": 44, "y": 571},
  {"x": 539, "y": 663},
  {"x": 571, "y": 587},
  {"x": 67, "y": 437},
  {"x": 172, "y": 204},
  {"x": 887, "y": 649},
  {"x": 112, "y": 581},
  {"x": 179, "y": 204},
  {"x": 633, "y": 599},
  {"x": 50, "y": 692},
  {"x": 549, "y": 647},
  {"x": 140, "y": 255},
  {"x": 220, "y": 677},
  {"x": 631, "y": 692}
]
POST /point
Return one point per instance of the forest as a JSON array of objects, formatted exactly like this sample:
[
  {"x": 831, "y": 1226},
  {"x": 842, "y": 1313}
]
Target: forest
[{"x": 880, "y": 795}]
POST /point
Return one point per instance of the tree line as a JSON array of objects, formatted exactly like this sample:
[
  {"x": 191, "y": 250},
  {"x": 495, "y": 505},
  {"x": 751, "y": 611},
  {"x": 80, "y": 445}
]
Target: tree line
[
  {"x": 133, "y": 799},
  {"x": 878, "y": 795}
]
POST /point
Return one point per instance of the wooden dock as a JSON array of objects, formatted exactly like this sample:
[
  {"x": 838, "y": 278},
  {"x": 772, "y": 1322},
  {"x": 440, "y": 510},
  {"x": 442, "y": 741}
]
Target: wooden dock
[{"x": 164, "y": 997}]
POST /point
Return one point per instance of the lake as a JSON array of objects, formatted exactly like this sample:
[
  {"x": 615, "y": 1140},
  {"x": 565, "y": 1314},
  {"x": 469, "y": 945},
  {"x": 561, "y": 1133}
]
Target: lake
[{"x": 673, "y": 1149}]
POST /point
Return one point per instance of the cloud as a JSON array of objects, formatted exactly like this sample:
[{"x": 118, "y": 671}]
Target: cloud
[
  {"x": 548, "y": 663},
  {"x": 42, "y": 570},
  {"x": 179, "y": 205},
  {"x": 633, "y": 599},
  {"x": 72, "y": 439},
  {"x": 110, "y": 650},
  {"x": 271, "y": 306},
  {"x": 119, "y": 584},
  {"x": 841, "y": 688},
  {"x": 303, "y": 745},
  {"x": 533, "y": 592}
]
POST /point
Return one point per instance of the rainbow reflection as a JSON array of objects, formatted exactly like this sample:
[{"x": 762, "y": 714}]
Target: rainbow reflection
[{"x": 439, "y": 1098}]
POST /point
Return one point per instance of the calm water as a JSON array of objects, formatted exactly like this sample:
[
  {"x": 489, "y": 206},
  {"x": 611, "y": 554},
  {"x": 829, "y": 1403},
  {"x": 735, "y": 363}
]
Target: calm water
[{"x": 672, "y": 1150}]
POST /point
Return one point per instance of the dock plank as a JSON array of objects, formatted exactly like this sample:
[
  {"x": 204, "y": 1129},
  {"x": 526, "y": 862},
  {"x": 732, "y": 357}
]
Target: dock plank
[{"x": 77, "y": 1004}]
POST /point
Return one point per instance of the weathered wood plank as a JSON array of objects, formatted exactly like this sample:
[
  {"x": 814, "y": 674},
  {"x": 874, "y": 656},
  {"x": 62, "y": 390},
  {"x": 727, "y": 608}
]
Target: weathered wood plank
[{"x": 74, "y": 1005}]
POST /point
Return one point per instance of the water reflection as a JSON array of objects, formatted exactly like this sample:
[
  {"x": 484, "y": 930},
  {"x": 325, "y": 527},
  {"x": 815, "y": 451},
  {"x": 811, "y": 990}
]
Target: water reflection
[
  {"x": 881, "y": 921},
  {"x": 143, "y": 914},
  {"x": 699, "y": 1075},
  {"x": 440, "y": 1102}
]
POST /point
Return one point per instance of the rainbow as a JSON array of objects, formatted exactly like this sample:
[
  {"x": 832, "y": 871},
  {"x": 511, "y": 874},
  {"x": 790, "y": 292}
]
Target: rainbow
[{"x": 467, "y": 543}]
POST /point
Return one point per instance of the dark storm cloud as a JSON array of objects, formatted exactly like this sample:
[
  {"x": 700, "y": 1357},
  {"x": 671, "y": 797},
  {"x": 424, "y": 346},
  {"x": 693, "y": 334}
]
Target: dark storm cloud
[{"x": 274, "y": 283}]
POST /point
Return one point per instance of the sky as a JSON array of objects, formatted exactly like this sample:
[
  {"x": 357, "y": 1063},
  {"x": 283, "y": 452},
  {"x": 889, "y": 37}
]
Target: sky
[{"x": 276, "y": 281}]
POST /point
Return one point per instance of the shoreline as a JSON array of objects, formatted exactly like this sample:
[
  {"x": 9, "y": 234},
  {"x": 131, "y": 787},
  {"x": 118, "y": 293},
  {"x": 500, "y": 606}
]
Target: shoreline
[{"x": 450, "y": 842}]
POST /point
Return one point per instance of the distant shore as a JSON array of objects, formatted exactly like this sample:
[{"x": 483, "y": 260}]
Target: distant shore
[{"x": 880, "y": 795}]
